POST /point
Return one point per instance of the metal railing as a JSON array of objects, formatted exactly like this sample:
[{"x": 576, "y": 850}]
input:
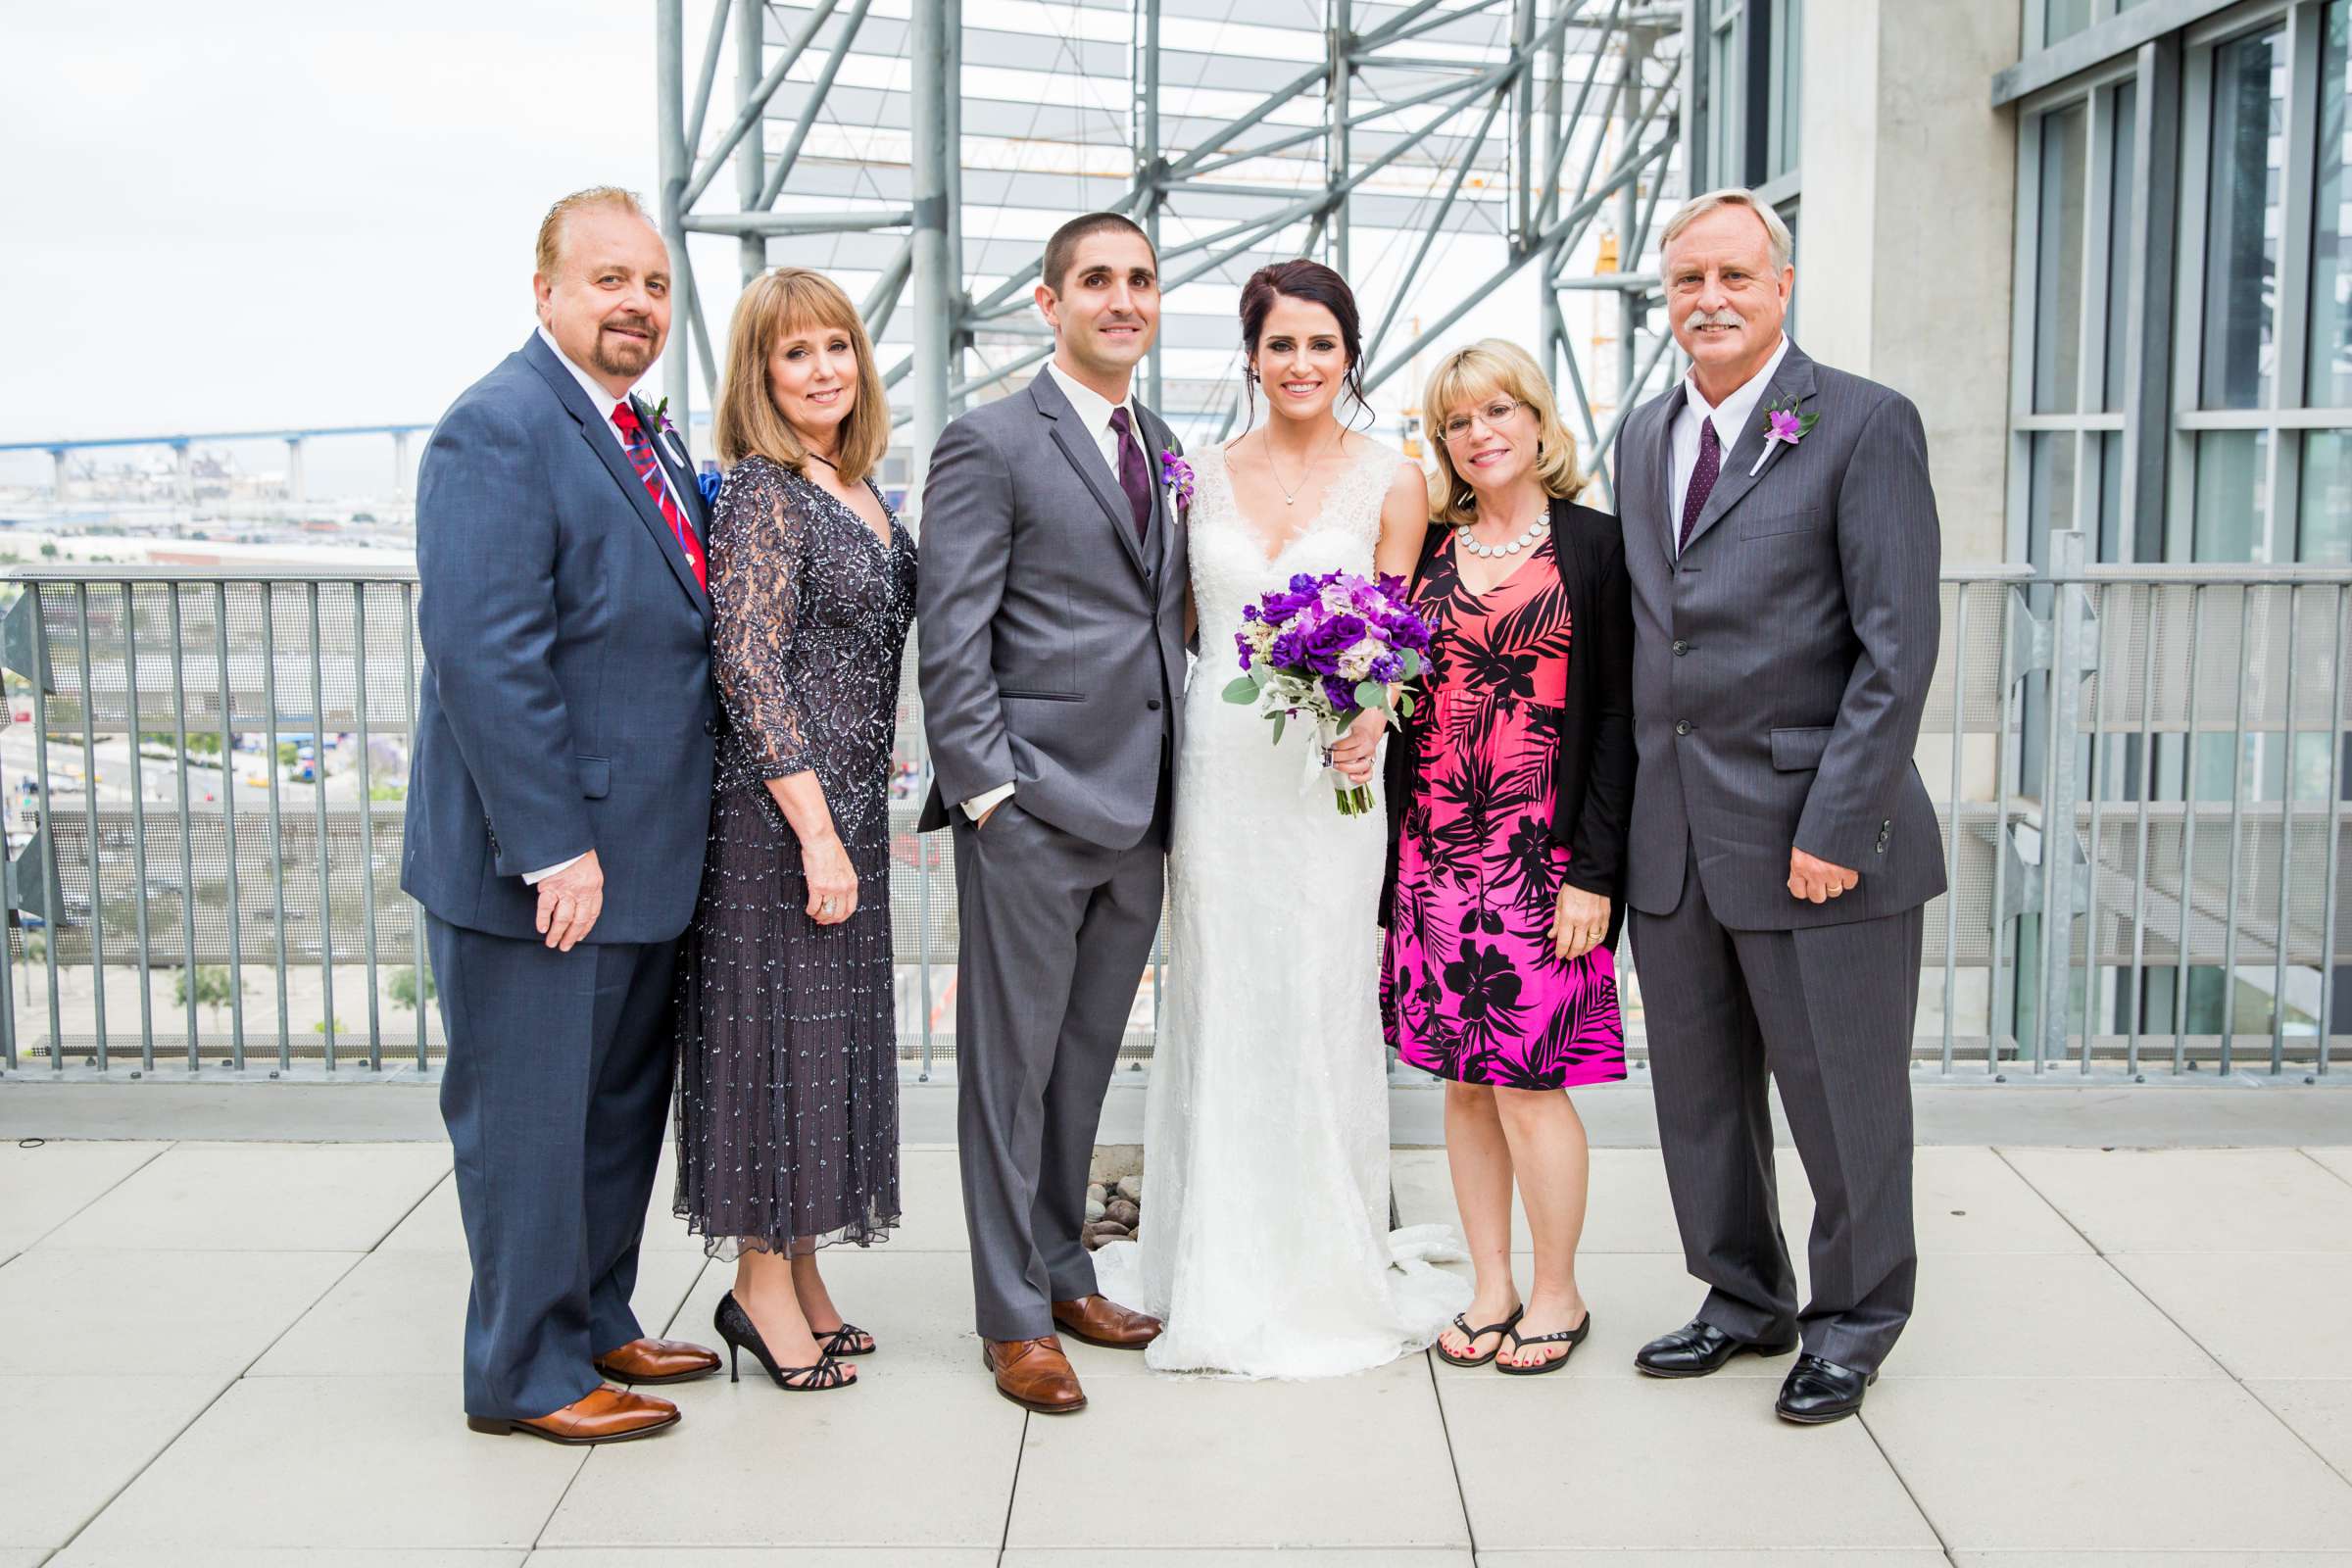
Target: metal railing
[{"x": 205, "y": 769}]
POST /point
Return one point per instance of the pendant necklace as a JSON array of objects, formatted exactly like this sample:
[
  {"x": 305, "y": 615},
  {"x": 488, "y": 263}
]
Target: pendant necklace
[{"x": 1290, "y": 497}]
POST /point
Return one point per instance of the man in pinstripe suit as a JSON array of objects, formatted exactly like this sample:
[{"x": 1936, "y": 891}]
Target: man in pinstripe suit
[{"x": 1781, "y": 534}]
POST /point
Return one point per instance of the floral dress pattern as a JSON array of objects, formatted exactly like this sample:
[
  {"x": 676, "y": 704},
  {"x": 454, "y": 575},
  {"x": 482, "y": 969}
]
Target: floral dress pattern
[{"x": 1471, "y": 986}]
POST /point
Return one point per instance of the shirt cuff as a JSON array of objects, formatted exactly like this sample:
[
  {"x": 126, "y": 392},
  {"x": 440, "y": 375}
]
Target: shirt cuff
[
  {"x": 979, "y": 806},
  {"x": 534, "y": 879}
]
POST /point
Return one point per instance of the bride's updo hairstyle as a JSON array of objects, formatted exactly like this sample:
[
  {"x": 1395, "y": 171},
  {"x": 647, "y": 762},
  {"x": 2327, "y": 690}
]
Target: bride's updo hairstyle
[{"x": 1316, "y": 284}]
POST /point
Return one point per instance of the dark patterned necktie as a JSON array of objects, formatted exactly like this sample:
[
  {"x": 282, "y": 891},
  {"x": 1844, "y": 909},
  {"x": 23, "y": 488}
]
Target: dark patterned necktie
[
  {"x": 1702, "y": 481},
  {"x": 1134, "y": 477},
  {"x": 640, "y": 448}
]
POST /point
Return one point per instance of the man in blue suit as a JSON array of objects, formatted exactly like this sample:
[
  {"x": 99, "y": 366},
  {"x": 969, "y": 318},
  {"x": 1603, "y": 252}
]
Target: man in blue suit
[{"x": 557, "y": 810}]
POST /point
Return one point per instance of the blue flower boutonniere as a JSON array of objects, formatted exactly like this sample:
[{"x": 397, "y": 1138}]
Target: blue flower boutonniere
[{"x": 707, "y": 482}]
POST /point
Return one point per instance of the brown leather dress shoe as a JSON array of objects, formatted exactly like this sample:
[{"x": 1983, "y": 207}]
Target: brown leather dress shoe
[
  {"x": 656, "y": 1361},
  {"x": 603, "y": 1415},
  {"x": 1034, "y": 1374},
  {"x": 1100, "y": 1320}
]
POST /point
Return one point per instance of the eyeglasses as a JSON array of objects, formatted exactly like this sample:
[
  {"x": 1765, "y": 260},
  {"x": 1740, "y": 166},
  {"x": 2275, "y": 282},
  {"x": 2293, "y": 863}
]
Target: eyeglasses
[{"x": 1491, "y": 417}]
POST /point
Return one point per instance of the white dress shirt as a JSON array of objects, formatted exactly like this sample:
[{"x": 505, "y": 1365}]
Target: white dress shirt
[
  {"x": 601, "y": 398},
  {"x": 1093, "y": 411},
  {"x": 1731, "y": 416}
]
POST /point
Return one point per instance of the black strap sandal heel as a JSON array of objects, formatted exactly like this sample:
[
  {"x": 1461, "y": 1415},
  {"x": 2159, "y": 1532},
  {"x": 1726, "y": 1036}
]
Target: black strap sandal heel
[
  {"x": 1570, "y": 1338},
  {"x": 735, "y": 1327},
  {"x": 1461, "y": 1321},
  {"x": 845, "y": 1340}
]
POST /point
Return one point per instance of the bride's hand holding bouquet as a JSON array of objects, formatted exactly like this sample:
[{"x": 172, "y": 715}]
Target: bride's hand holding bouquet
[{"x": 1340, "y": 649}]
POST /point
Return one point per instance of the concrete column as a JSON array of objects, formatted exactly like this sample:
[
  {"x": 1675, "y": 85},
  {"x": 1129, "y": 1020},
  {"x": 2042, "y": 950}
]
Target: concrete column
[
  {"x": 751, "y": 153},
  {"x": 57, "y": 473},
  {"x": 296, "y": 488},
  {"x": 400, "y": 465},
  {"x": 1904, "y": 230},
  {"x": 183, "y": 482}
]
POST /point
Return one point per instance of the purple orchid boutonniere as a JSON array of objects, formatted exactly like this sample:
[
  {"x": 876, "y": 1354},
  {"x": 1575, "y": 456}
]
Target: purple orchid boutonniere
[
  {"x": 1176, "y": 477},
  {"x": 1782, "y": 426}
]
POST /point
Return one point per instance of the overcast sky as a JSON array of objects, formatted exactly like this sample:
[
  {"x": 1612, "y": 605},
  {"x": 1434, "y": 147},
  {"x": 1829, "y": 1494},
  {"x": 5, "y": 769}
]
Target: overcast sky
[{"x": 263, "y": 212}]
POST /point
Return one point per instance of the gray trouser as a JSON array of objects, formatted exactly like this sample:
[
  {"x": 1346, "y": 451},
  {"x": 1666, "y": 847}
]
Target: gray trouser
[
  {"x": 1827, "y": 1011},
  {"x": 1055, "y": 932}
]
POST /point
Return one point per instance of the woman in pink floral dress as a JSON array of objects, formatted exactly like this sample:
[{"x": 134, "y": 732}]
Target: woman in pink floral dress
[{"x": 1510, "y": 794}]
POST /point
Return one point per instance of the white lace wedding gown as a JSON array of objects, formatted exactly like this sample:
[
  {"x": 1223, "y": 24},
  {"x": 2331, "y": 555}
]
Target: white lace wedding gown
[{"x": 1265, "y": 1243}]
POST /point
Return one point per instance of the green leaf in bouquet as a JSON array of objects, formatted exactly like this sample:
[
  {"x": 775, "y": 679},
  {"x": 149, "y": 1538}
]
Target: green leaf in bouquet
[
  {"x": 1412, "y": 665},
  {"x": 1278, "y": 720},
  {"x": 1405, "y": 705},
  {"x": 1371, "y": 694},
  {"x": 1242, "y": 689}
]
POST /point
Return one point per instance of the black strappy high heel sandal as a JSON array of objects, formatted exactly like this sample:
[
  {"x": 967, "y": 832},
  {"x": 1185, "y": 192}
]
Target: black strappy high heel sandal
[
  {"x": 735, "y": 1326},
  {"x": 1570, "y": 1338},
  {"x": 1473, "y": 1336},
  {"x": 844, "y": 1340}
]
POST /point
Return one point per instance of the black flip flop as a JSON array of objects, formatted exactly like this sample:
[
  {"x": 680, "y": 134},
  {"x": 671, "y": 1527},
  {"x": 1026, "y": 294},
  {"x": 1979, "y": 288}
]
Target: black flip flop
[
  {"x": 1461, "y": 1321},
  {"x": 1570, "y": 1338}
]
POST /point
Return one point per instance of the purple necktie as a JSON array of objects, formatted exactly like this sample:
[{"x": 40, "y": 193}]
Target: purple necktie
[
  {"x": 1134, "y": 477},
  {"x": 1702, "y": 481}
]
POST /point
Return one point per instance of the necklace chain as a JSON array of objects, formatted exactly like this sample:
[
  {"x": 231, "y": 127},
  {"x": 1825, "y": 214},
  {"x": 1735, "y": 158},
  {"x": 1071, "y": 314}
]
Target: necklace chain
[{"x": 1290, "y": 497}]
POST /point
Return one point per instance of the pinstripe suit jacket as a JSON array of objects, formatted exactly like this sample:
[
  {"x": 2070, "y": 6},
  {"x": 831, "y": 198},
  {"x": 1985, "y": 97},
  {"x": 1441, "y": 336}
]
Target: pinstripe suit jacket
[{"x": 1782, "y": 665}]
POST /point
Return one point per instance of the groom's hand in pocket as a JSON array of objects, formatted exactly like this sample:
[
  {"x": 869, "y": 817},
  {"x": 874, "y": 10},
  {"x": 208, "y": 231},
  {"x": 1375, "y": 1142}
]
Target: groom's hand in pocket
[{"x": 1816, "y": 880}]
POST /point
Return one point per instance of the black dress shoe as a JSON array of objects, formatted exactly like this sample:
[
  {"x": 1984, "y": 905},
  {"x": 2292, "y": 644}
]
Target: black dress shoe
[
  {"x": 1698, "y": 1349},
  {"x": 1818, "y": 1392}
]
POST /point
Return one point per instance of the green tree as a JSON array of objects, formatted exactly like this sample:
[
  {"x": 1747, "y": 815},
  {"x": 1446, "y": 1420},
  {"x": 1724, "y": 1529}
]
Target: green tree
[
  {"x": 214, "y": 990},
  {"x": 403, "y": 988}
]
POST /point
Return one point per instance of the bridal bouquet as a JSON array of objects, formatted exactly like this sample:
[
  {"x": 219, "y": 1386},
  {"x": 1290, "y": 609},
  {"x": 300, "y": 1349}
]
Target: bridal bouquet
[{"x": 1328, "y": 648}]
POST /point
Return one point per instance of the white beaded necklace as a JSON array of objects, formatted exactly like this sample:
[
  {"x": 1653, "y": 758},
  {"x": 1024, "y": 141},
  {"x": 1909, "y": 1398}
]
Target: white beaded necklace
[{"x": 1526, "y": 541}]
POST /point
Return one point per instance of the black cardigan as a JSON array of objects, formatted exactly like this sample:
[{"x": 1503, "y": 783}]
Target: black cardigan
[{"x": 1594, "y": 785}]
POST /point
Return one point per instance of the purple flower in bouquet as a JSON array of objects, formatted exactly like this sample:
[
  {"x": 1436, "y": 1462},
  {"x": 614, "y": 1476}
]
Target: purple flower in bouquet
[{"x": 1330, "y": 646}]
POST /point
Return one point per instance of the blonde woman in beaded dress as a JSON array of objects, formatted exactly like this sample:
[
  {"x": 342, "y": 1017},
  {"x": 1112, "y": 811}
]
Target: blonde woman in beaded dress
[
  {"x": 788, "y": 1135},
  {"x": 1266, "y": 1248}
]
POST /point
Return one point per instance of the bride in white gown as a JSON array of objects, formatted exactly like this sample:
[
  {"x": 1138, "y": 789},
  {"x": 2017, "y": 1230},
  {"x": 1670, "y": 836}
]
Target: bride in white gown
[{"x": 1266, "y": 1247}]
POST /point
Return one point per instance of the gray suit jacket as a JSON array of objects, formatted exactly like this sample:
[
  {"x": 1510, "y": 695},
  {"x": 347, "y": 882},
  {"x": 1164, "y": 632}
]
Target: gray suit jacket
[
  {"x": 1780, "y": 667},
  {"x": 1051, "y": 644}
]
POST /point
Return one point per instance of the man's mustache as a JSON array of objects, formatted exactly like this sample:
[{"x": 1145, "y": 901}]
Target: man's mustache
[{"x": 1699, "y": 319}]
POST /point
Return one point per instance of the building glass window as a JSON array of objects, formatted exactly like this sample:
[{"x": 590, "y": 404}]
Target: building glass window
[
  {"x": 1788, "y": 81},
  {"x": 2328, "y": 374},
  {"x": 2063, "y": 19},
  {"x": 2124, "y": 186},
  {"x": 2058, "y": 279},
  {"x": 1727, "y": 107},
  {"x": 2241, "y": 238},
  {"x": 2233, "y": 501}
]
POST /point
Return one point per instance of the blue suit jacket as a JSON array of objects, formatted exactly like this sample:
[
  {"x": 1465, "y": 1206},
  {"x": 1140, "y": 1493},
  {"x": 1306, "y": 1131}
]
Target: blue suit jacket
[{"x": 566, "y": 702}]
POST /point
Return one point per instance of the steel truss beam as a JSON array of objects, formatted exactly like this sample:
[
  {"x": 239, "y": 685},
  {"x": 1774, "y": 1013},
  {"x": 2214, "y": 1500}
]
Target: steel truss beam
[{"x": 1469, "y": 117}]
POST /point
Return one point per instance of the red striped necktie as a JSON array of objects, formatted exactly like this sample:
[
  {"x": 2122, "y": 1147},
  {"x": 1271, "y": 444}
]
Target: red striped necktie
[{"x": 649, "y": 470}]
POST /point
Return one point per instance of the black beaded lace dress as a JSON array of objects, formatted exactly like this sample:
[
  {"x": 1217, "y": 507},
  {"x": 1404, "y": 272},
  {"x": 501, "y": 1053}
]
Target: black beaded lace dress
[{"x": 788, "y": 1097}]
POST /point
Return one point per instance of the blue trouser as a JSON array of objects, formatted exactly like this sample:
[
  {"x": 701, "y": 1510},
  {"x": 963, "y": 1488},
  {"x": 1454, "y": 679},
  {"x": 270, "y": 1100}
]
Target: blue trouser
[{"x": 557, "y": 1096}]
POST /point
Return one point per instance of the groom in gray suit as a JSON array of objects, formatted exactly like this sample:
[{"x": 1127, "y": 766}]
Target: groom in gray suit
[
  {"x": 1051, "y": 627},
  {"x": 1781, "y": 534}
]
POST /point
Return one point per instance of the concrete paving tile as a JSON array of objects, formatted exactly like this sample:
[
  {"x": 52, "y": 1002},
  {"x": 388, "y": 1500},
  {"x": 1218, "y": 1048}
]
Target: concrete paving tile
[
  {"x": 24, "y": 1559},
  {"x": 1557, "y": 1464},
  {"x": 763, "y": 1557},
  {"x": 301, "y": 1197},
  {"x": 2194, "y": 1200},
  {"x": 1228, "y": 1557},
  {"x": 1828, "y": 1557},
  {"x": 2319, "y": 1409},
  {"x": 1223, "y": 1464},
  {"x": 2338, "y": 1161},
  {"x": 2118, "y": 1465},
  {"x": 1969, "y": 1199},
  {"x": 404, "y": 1314},
  {"x": 917, "y": 1307},
  {"x": 81, "y": 1439},
  {"x": 155, "y": 1314},
  {"x": 1969, "y": 1307},
  {"x": 2261, "y": 1314},
  {"x": 330, "y": 1443},
  {"x": 749, "y": 1450},
  {"x": 44, "y": 1187},
  {"x": 181, "y": 1555},
  {"x": 2168, "y": 1560}
]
